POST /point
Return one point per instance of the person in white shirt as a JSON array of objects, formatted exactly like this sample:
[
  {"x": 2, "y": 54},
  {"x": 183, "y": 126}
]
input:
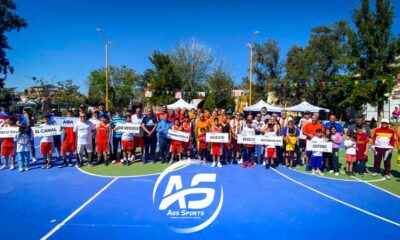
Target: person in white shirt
[
  {"x": 259, "y": 126},
  {"x": 351, "y": 154},
  {"x": 270, "y": 150},
  {"x": 95, "y": 119},
  {"x": 316, "y": 159},
  {"x": 46, "y": 146},
  {"x": 138, "y": 139},
  {"x": 84, "y": 130},
  {"x": 23, "y": 141},
  {"x": 248, "y": 149}
]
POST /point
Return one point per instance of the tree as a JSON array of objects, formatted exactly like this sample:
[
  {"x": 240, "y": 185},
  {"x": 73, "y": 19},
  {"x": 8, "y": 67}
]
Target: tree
[
  {"x": 68, "y": 95},
  {"x": 267, "y": 67},
  {"x": 7, "y": 95},
  {"x": 220, "y": 85},
  {"x": 163, "y": 79},
  {"x": 374, "y": 52},
  {"x": 9, "y": 21},
  {"x": 193, "y": 62},
  {"x": 123, "y": 84}
]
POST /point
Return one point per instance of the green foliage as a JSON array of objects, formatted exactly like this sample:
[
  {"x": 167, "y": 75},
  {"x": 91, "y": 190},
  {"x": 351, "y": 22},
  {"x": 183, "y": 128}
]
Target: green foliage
[
  {"x": 7, "y": 95},
  {"x": 123, "y": 84},
  {"x": 161, "y": 78},
  {"x": 219, "y": 83},
  {"x": 9, "y": 21},
  {"x": 68, "y": 95}
]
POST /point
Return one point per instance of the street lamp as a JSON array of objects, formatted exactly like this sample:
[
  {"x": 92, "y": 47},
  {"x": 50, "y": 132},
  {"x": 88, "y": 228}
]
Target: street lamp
[
  {"x": 251, "y": 72},
  {"x": 106, "y": 43}
]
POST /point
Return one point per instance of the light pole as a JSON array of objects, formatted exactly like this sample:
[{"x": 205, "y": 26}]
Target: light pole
[
  {"x": 251, "y": 72},
  {"x": 106, "y": 43}
]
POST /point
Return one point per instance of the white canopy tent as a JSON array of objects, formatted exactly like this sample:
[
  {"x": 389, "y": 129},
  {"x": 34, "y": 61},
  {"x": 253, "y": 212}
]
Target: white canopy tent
[
  {"x": 181, "y": 104},
  {"x": 305, "y": 106},
  {"x": 260, "y": 104}
]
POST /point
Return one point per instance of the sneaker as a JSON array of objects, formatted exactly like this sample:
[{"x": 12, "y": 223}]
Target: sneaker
[
  {"x": 251, "y": 164},
  {"x": 240, "y": 161},
  {"x": 244, "y": 164},
  {"x": 21, "y": 169},
  {"x": 189, "y": 160},
  {"x": 387, "y": 177},
  {"x": 336, "y": 174},
  {"x": 70, "y": 164},
  {"x": 219, "y": 164},
  {"x": 374, "y": 174},
  {"x": 319, "y": 172},
  {"x": 123, "y": 161},
  {"x": 313, "y": 172},
  {"x": 63, "y": 166},
  {"x": 330, "y": 171},
  {"x": 3, "y": 167},
  {"x": 264, "y": 163},
  {"x": 43, "y": 167},
  {"x": 132, "y": 158},
  {"x": 213, "y": 164},
  {"x": 84, "y": 158},
  {"x": 170, "y": 162},
  {"x": 48, "y": 166},
  {"x": 27, "y": 169},
  {"x": 34, "y": 159},
  {"x": 114, "y": 161},
  {"x": 12, "y": 167}
]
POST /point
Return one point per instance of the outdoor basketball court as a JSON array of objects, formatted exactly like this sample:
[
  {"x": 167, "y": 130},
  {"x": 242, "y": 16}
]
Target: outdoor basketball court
[{"x": 256, "y": 204}]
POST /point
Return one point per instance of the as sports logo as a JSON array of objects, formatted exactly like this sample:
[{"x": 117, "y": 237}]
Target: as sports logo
[{"x": 191, "y": 201}]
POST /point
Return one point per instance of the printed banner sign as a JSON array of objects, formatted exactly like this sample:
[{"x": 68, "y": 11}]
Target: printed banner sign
[
  {"x": 179, "y": 135},
  {"x": 319, "y": 146},
  {"x": 65, "y": 121},
  {"x": 46, "y": 131},
  {"x": 217, "y": 137},
  {"x": 128, "y": 128},
  {"x": 260, "y": 140},
  {"x": 8, "y": 132}
]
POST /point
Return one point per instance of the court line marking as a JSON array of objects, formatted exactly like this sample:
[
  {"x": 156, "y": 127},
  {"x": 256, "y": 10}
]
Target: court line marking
[
  {"x": 372, "y": 185},
  {"x": 73, "y": 214},
  {"x": 337, "y": 200}
]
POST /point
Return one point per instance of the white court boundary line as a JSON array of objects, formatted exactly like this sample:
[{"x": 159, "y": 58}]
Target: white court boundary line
[
  {"x": 372, "y": 185},
  {"x": 60, "y": 225},
  {"x": 338, "y": 200}
]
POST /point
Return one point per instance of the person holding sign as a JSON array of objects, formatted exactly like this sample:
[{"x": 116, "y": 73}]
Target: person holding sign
[
  {"x": 383, "y": 140},
  {"x": 310, "y": 130},
  {"x": 23, "y": 146},
  {"x": 248, "y": 150},
  {"x": 56, "y": 138},
  {"x": 7, "y": 146},
  {"x": 291, "y": 141},
  {"x": 127, "y": 143},
  {"x": 216, "y": 147},
  {"x": 84, "y": 129},
  {"x": 176, "y": 146},
  {"x": 69, "y": 143},
  {"x": 259, "y": 126},
  {"x": 187, "y": 128},
  {"x": 103, "y": 134},
  {"x": 138, "y": 139},
  {"x": 270, "y": 151},
  {"x": 316, "y": 156},
  {"x": 46, "y": 145}
]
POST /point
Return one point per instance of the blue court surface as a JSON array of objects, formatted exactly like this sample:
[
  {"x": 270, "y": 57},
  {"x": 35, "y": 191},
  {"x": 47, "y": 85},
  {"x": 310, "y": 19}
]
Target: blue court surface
[{"x": 257, "y": 204}]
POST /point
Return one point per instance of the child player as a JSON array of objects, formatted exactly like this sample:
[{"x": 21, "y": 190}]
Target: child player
[
  {"x": 68, "y": 144},
  {"x": 187, "y": 127},
  {"x": 270, "y": 151},
  {"x": 316, "y": 158},
  {"x": 103, "y": 133},
  {"x": 7, "y": 145},
  {"x": 176, "y": 145},
  {"x": 216, "y": 147},
  {"x": 46, "y": 145},
  {"x": 362, "y": 141},
  {"x": 127, "y": 143},
  {"x": 202, "y": 145},
  {"x": 290, "y": 141}
]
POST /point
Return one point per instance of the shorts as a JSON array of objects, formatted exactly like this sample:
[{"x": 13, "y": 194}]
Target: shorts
[
  {"x": 7, "y": 151},
  {"x": 81, "y": 148},
  {"x": 138, "y": 142},
  {"x": 290, "y": 154},
  {"x": 309, "y": 154},
  {"x": 302, "y": 144},
  {"x": 216, "y": 150},
  {"x": 270, "y": 153},
  {"x": 102, "y": 147},
  {"x": 68, "y": 147},
  {"x": 350, "y": 158},
  {"x": 186, "y": 146},
  {"x": 127, "y": 145},
  {"x": 176, "y": 148},
  {"x": 46, "y": 148}
]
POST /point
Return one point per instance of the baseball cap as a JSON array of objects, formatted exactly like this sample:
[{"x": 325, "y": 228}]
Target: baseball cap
[{"x": 385, "y": 120}]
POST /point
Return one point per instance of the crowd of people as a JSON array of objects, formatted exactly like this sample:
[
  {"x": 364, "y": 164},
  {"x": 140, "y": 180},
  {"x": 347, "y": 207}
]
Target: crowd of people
[{"x": 96, "y": 140}]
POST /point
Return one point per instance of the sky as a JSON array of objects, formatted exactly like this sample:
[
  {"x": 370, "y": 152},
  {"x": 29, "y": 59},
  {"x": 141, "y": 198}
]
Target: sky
[{"x": 61, "y": 42}]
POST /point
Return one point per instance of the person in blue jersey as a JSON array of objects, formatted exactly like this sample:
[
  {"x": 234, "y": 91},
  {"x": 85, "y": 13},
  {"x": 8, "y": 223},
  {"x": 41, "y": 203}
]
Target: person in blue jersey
[
  {"x": 149, "y": 126},
  {"x": 332, "y": 123},
  {"x": 27, "y": 119},
  {"x": 116, "y": 139},
  {"x": 102, "y": 111},
  {"x": 164, "y": 140}
]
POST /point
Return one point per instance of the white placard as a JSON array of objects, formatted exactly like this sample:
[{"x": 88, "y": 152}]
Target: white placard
[
  {"x": 46, "y": 131},
  {"x": 179, "y": 135},
  {"x": 260, "y": 140},
  {"x": 319, "y": 146},
  {"x": 8, "y": 132},
  {"x": 127, "y": 128},
  {"x": 217, "y": 137},
  {"x": 65, "y": 121}
]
